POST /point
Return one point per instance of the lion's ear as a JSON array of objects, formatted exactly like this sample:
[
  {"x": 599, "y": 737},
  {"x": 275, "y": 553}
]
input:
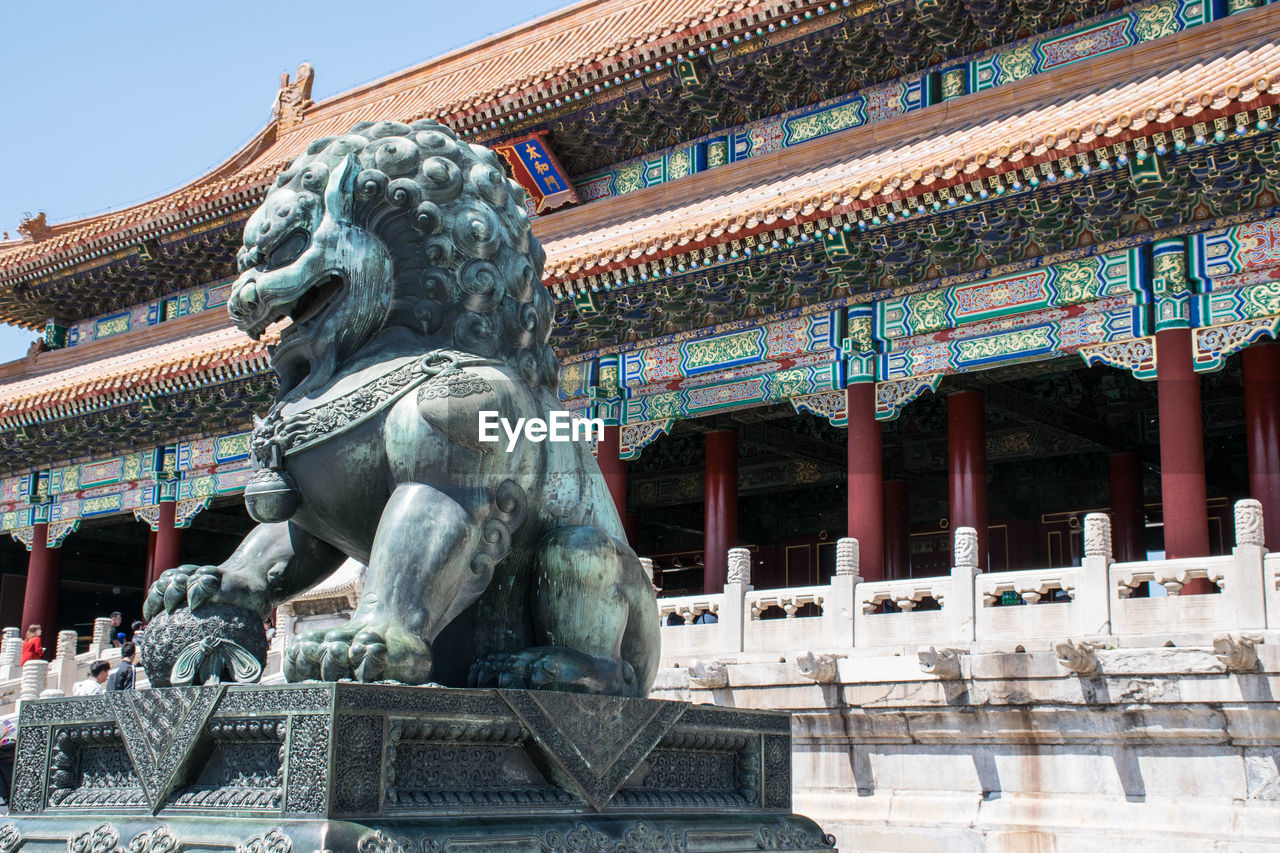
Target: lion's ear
[{"x": 340, "y": 192}]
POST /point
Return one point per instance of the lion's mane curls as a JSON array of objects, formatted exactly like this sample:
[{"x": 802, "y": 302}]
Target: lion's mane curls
[{"x": 467, "y": 268}]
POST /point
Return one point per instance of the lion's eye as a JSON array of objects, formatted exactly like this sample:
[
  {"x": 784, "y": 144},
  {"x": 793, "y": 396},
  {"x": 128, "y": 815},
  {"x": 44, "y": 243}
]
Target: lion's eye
[{"x": 288, "y": 251}]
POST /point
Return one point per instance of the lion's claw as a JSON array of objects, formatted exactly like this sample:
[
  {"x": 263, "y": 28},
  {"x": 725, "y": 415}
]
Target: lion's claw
[
  {"x": 176, "y": 595},
  {"x": 203, "y": 586},
  {"x": 336, "y": 662},
  {"x": 335, "y": 655},
  {"x": 195, "y": 586},
  {"x": 153, "y": 604},
  {"x": 169, "y": 592},
  {"x": 369, "y": 648}
]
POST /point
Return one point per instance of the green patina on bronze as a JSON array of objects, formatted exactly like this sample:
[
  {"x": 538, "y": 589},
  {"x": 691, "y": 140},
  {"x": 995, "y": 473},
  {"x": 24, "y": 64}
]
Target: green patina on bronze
[{"x": 405, "y": 261}]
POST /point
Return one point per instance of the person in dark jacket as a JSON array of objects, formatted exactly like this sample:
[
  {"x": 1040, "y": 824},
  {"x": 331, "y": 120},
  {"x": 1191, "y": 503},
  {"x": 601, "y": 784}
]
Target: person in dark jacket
[
  {"x": 121, "y": 678},
  {"x": 117, "y": 636}
]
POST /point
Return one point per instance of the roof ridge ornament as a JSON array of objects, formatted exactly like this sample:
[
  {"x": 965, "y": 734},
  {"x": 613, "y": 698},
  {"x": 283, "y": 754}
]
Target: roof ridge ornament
[
  {"x": 293, "y": 98},
  {"x": 34, "y": 228}
]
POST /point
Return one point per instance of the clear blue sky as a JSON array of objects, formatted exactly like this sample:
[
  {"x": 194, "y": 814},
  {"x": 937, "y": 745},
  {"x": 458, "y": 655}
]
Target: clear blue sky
[{"x": 108, "y": 104}]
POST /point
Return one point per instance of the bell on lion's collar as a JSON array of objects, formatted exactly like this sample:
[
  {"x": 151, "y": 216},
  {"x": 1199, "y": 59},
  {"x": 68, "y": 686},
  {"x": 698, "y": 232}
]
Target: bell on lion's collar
[{"x": 271, "y": 496}]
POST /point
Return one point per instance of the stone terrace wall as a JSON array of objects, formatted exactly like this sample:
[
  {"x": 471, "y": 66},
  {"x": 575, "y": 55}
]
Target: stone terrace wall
[{"x": 1082, "y": 718}]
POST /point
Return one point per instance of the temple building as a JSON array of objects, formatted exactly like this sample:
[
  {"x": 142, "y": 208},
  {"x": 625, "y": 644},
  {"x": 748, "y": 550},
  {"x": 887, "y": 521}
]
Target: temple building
[{"x": 875, "y": 269}]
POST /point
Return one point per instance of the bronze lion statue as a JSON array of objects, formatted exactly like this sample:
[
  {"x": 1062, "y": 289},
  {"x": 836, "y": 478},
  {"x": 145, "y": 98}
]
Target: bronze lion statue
[{"x": 404, "y": 259}]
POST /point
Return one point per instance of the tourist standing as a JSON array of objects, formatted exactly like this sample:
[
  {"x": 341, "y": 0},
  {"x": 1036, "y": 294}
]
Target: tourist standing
[
  {"x": 121, "y": 678},
  {"x": 32, "y": 647},
  {"x": 94, "y": 684}
]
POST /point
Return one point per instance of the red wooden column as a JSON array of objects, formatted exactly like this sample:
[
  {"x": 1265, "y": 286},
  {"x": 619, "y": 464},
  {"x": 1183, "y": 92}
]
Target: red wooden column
[
  {"x": 1262, "y": 431},
  {"x": 614, "y": 469},
  {"x": 897, "y": 530},
  {"x": 40, "y": 600},
  {"x": 967, "y": 465},
  {"x": 866, "y": 479},
  {"x": 168, "y": 541},
  {"x": 1128, "y": 520},
  {"x": 720, "y": 507},
  {"x": 1182, "y": 488}
]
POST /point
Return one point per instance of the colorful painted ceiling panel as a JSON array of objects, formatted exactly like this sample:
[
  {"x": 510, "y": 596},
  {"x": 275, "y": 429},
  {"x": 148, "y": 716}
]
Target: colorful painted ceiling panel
[
  {"x": 190, "y": 301},
  {"x": 1071, "y": 283},
  {"x": 773, "y": 342},
  {"x": 1145, "y": 22},
  {"x": 756, "y": 138},
  {"x": 1141, "y": 23},
  {"x": 130, "y": 482},
  {"x": 1043, "y": 338},
  {"x": 1219, "y": 255}
]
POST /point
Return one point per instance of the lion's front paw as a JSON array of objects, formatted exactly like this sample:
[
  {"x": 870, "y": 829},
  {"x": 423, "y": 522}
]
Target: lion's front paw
[
  {"x": 554, "y": 668},
  {"x": 195, "y": 586},
  {"x": 359, "y": 653},
  {"x": 336, "y": 654},
  {"x": 170, "y": 590}
]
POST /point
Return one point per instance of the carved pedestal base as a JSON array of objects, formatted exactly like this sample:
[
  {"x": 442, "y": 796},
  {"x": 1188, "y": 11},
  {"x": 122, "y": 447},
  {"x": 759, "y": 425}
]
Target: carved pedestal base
[{"x": 384, "y": 769}]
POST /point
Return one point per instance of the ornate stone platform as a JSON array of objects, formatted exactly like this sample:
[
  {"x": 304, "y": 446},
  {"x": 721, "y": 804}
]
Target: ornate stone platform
[{"x": 388, "y": 769}]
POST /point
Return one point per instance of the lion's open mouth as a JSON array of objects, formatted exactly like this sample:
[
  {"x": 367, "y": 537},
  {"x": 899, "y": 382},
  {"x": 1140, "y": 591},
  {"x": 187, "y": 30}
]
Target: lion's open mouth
[
  {"x": 302, "y": 311},
  {"x": 314, "y": 301}
]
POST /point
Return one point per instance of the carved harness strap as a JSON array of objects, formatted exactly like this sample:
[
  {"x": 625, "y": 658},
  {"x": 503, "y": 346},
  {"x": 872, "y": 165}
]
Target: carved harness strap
[
  {"x": 271, "y": 495},
  {"x": 440, "y": 373}
]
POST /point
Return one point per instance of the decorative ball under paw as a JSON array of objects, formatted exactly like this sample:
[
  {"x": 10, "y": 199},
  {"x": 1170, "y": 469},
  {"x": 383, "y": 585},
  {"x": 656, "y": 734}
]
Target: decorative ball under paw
[{"x": 217, "y": 641}]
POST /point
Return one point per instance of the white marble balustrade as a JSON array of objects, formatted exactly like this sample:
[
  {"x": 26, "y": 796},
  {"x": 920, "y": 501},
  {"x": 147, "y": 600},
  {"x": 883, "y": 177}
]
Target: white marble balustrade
[
  {"x": 1093, "y": 603},
  {"x": 969, "y": 610}
]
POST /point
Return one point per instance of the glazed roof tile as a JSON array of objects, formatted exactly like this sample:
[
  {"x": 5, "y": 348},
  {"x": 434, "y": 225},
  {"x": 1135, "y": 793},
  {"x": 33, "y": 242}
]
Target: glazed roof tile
[
  {"x": 142, "y": 220},
  {"x": 482, "y": 76},
  {"x": 1016, "y": 125},
  {"x": 131, "y": 375},
  {"x": 1229, "y": 57}
]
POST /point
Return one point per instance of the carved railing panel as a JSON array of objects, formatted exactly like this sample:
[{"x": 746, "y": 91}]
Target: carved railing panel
[
  {"x": 1172, "y": 612},
  {"x": 784, "y": 618},
  {"x": 690, "y": 609},
  {"x": 904, "y": 624},
  {"x": 906, "y": 595},
  {"x": 1044, "y": 609},
  {"x": 691, "y": 626},
  {"x": 788, "y": 603}
]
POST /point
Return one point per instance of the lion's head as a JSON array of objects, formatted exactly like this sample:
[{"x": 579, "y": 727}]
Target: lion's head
[{"x": 394, "y": 225}]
